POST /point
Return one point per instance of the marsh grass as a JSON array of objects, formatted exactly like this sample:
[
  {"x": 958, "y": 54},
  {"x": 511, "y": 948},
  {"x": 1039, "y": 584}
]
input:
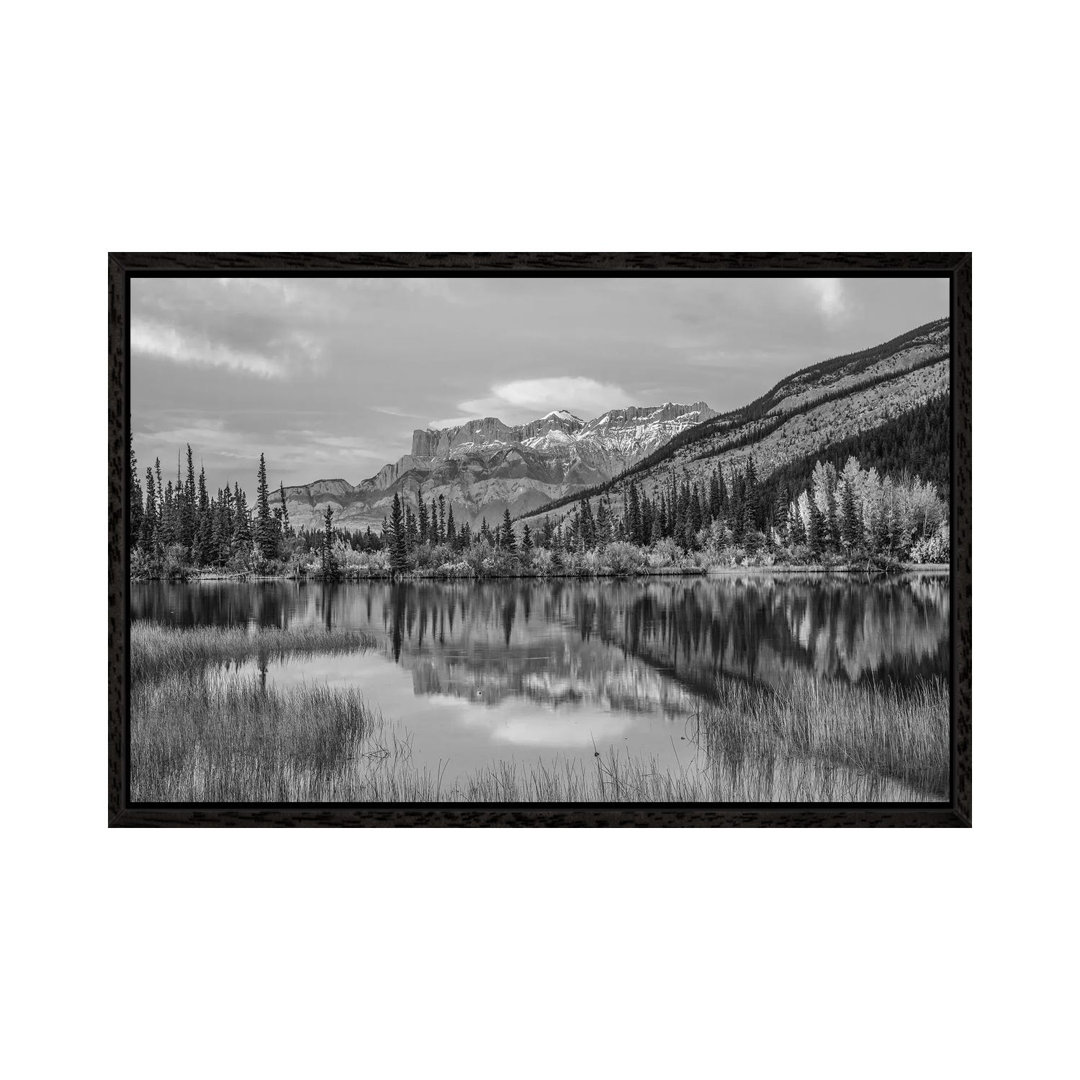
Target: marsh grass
[
  {"x": 158, "y": 650},
  {"x": 223, "y": 737},
  {"x": 899, "y": 735},
  {"x": 202, "y": 731}
]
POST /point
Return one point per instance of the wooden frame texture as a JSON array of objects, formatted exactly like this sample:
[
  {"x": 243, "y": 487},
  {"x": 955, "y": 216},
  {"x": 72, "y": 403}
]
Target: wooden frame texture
[{"x": 954, "y": 266}]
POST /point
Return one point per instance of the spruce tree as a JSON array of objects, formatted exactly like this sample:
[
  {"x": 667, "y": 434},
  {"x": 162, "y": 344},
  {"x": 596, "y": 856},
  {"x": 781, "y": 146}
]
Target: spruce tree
[
  {"x": 850, "y": 521},
  {"x": 241, "y": 523},
  {"x": 160, "y": 496},
  {"x": 526, "y": 540},
  {"x": 169, "y": 530},
  {"x": 507, "y": 539},
  {"x": 422, "y": 520},
  {"x": 399, "y": 554},
  {"x": 443, "y": 521},
  {"x": 189, "y": 512},
  {"x": 697, "y": 515},
  {"x": 286, "y": 528},
  {"x": 266, "y": 528},
  {"x": 148, "y": 532},
  {"x": 329, "y": 563},
  {"x": 586, "y": 526},
  {"x": 633, "y": 518},
  {"x": 451, "y": 530},
  {"x": 134, "y": 498}
]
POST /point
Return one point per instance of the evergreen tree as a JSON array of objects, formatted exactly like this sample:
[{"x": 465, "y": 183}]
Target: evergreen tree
[
  {"x": 633, "y": 518},
  {"x": 134, "y": 497},
  {"x": 422, "y": 520},
  {"x": 526, "y": 540},
  {"x": 714, "y": 495},
  {"x": 697, "y": 516},
  {"x": 218, "y": 530},
  {"x": 189, "y": 511},
  {"x": 226, "y": 541},
  {"x": 286, "y": 528},
  {"x": 751, "y": 518},
  {"x": 399, "y": 555},
  {"x": 148, "y": 533},
  {"x": 724, "y": 501},
  {"x": 168, "y": 534},
  {"x": 547, "y": 533},
  {"x": 586, "y": 526},
  {"x": 160, "y": 496},
  {"x": 241, "y": 523},
  {"x": 266, "y": 528},
  {"x": 507, "y": 539},
  {"x": 850, "y": 522},
  {"x": 329, "y": 562},
  {"x": 444, "y": 522},
  {"x": 603, "y": 522}
]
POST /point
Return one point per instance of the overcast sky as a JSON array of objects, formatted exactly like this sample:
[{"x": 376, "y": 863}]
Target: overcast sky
[{"x": 329, "y": 377}]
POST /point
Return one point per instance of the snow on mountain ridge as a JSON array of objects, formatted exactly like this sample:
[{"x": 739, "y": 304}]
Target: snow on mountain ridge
[{"x": 485, "y": 466}]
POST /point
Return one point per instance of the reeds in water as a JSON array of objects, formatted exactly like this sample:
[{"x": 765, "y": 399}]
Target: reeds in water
[{"x": 158, "y": 650}]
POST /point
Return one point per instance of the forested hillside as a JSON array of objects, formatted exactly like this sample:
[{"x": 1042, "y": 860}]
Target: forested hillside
[
  {"x": 806, "y": 413},
  {"x": 915, "y": 444}
]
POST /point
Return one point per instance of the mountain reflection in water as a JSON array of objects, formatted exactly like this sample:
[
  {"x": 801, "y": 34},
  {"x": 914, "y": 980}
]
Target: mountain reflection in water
[{"x": 653, "y": 646}]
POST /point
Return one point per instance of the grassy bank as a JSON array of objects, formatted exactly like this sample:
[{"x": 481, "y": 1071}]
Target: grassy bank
[{"x": 157, "y": 651}]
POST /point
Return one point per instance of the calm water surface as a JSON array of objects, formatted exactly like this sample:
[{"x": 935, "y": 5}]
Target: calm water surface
[{"x": 480, "y": 672}]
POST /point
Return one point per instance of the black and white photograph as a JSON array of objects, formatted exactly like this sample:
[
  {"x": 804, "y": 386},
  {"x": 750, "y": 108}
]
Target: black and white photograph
[{"x": 562, "y": 539}]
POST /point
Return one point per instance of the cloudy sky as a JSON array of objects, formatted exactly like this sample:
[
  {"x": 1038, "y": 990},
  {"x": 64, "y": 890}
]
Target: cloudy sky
[{"x": 329, "y": 377}]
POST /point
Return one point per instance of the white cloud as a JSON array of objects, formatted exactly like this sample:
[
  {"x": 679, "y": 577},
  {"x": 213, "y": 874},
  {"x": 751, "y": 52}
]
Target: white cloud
[
  {"x": 528, "y": 399},
  {"x": 393, "y": 410},
  {"x": 168, "y": 343},
  {"x": 830, "y": 296}
]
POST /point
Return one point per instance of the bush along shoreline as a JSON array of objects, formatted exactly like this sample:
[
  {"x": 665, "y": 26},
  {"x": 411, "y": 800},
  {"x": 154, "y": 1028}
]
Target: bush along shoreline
[{"x": 846, "y": 521}]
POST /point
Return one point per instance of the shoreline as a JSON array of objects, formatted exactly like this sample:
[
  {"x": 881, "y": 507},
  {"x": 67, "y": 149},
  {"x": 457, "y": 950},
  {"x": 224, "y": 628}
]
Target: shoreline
[{"x": 817, "y": 569}]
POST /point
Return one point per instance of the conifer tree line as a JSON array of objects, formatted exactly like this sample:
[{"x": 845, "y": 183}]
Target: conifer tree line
[
  {"x": 850, "y": 513},
  {"x": 726, "y": 513},
  {"x": 177, "y": 523}
]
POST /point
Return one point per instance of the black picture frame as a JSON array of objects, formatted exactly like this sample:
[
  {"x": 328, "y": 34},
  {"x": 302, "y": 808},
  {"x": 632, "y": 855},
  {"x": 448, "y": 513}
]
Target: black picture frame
[{"x": 957, "y": 812}]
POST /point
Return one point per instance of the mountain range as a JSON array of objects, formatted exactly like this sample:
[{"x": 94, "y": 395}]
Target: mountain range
[
  {"x": 484, "y": 467},
  {"x": 802, "y": 416}
]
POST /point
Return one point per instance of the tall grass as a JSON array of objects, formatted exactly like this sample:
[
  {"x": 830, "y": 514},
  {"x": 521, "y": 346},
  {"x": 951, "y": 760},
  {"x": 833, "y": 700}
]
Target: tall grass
[
  {"x": 892, "y": 733},
  {"x": 158, "y": 650},
  {"x": 201, "y": 732},
  {"x": 218, "y": 737},
  {"x": 623, "y": 778},
  {"x": 222, "y": 737}
]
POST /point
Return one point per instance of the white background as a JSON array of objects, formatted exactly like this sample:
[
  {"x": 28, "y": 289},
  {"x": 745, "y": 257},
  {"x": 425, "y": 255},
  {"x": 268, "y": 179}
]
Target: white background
[{"x": 554, "y": 126}]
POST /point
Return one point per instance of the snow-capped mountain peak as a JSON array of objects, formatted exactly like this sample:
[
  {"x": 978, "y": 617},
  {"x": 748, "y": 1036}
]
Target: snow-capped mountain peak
[{"x": 485, "y": 466}]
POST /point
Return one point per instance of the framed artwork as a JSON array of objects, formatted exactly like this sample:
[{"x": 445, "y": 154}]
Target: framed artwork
[{"x": 540, "y": 539}]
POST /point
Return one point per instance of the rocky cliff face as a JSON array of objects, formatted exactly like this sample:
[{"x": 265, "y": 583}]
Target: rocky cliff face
[{"x": 485, "y": 466}]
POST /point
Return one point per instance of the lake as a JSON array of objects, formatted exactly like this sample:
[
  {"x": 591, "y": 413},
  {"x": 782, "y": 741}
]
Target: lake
[{"x": 528, "y": 670}]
